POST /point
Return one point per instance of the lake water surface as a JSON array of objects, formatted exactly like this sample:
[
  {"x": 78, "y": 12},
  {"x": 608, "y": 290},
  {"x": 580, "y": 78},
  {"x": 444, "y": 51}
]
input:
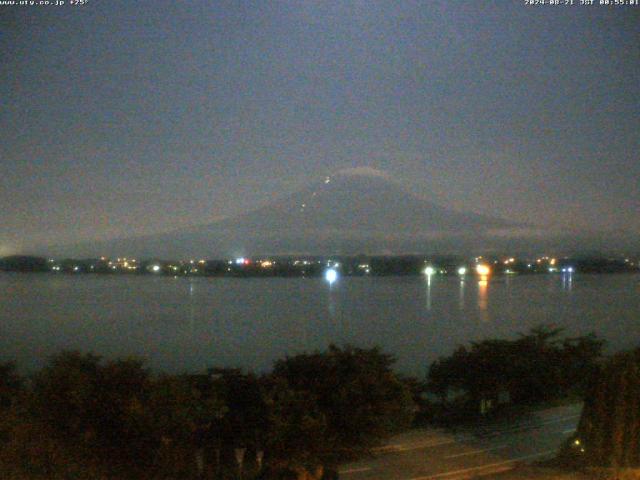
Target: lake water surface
[{"x": 189, "y": 324}]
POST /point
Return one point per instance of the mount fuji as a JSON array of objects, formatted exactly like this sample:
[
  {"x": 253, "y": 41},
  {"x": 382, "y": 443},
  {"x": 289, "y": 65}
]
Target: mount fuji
[{"x": 358, "y": 210}]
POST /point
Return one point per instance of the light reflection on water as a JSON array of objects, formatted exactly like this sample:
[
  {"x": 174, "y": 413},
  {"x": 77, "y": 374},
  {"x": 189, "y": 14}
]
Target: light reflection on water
[
  {"x": 192, "y": 306},
  {"x": 190, "y": 324},
  {"x": 567, "y": 281},
  {"x": 483, "y": 298},
  {"x": 331, "y": 305}
]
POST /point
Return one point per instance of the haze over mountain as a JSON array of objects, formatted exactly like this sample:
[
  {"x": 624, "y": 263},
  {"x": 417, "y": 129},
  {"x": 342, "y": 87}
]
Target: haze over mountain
[
  {"x": 184, "y": 113},
  {"x": 360, "y": 210}
]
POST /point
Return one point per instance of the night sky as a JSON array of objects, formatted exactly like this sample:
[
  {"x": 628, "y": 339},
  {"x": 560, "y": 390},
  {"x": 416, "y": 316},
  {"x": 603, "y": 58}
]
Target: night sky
[{"x": 123, "y": 118}]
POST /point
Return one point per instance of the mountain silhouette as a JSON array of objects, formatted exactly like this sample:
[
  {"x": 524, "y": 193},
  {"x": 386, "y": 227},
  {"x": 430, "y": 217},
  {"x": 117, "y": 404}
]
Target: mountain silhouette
[
  {"x": 354, "y": 211},
  {"x": 352, "y": 203}
]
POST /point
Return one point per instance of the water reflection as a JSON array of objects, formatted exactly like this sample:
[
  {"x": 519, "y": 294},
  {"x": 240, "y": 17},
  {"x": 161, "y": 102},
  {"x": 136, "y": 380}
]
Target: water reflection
[
  {"x": 567, "y": 281},
  {"x": 428, "y": 293},
  {"x": 192, "y": 306},
  {"x": 461, "y": 295},
  {"x": 250, "y": 323},
  {"x": 483, "y": 298},
  {"x": 331, "y": 304}
]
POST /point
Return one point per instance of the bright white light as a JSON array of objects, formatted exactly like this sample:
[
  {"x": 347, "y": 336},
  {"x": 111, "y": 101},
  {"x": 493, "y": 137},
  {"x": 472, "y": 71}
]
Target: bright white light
[
  {"x": 75, "y": 269},
  {"x": 429, "y": 271},
  {"x": 156, "y": 268},
  {"x": 331, "y": 275},
  {"x": 570, "y": 269},
  {"x": 462, "y": 271},
  {"x": 240, "y": 261}
]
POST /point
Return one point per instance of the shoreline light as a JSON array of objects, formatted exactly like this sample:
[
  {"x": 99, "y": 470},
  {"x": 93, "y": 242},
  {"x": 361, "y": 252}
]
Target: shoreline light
[
  {"x": 483, "y": 270},
  {"x": 429, "y": 271},
  {"x": 462, "y": 271},
  {"x": 331, "y": 275}
]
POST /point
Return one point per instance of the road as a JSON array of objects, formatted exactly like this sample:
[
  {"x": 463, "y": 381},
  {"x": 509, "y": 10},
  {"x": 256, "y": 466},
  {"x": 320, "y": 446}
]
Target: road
[{"x": 430, "y": 454}]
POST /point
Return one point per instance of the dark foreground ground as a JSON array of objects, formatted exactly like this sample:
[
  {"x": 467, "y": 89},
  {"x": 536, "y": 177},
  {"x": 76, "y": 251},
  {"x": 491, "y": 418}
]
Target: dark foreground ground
[
  {"x": 500, "y": 448},
  {"x": 542, "y": 472}
]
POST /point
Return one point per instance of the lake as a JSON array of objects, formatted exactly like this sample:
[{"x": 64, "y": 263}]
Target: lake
[{"x": 189, "y": 324}]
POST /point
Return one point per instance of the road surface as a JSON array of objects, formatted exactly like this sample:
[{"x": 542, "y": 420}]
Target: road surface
[{"x": 430, "y": 454}]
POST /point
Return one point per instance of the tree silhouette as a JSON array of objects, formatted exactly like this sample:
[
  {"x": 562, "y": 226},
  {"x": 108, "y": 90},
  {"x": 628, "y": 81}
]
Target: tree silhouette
[{"x": 609, "y": 430}]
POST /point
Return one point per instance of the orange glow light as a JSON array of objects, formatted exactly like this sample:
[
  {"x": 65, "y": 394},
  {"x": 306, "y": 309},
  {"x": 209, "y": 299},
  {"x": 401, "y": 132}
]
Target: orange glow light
[{"x": 483, "y": 270}]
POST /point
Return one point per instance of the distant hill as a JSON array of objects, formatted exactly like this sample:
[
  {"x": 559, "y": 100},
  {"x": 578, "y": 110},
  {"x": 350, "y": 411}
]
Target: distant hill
[{"x": 23, "y": 263}]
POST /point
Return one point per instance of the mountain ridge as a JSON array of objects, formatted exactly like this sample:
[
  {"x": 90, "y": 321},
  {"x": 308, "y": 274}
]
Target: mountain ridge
[{"x": 354, "y": 211}]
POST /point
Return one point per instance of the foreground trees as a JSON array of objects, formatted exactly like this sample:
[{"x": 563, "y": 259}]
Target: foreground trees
[
  {"x": 609, "y": 430},
  {"x": 82, "y": 417},
  {"x": 353, "y": 397},
  {"x": 539, "y": 366}
]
